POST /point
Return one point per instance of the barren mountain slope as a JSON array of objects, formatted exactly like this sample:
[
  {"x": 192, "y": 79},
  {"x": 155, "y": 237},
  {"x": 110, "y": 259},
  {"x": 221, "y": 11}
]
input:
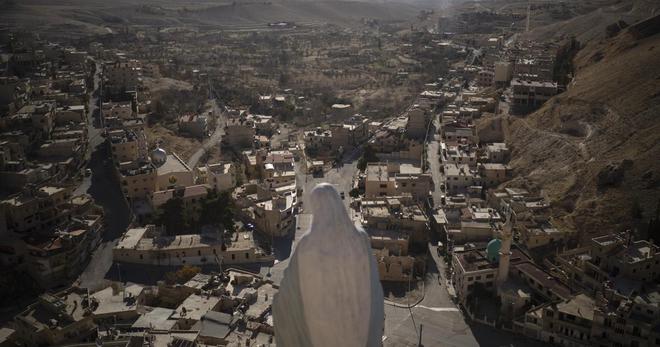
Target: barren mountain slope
[
  {"x": 596, "y": 148},
  {"x": 589, "y": 26},
  {"x": 79, "y": 18}
]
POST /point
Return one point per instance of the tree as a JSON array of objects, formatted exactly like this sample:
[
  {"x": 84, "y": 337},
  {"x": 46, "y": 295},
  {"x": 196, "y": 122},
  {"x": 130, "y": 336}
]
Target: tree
[
  {"x": 636, "y": 210},
  {"x": 368, "y": 156},
  {"x": 217, "y": 210},
  {"x": 173, "y": 216},
  {"x": 183, "y": 275}
]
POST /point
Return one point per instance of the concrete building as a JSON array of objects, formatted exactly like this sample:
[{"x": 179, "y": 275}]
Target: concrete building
[
  {"x": 485, "y": 78},
  {"x": 393, "y": 179},
  {"x": 36, "y": 209},
  {"x": 220, "y": 176},
  {"x": 121, "y": 110},
  {"x": 459, "y": 177},
  {"x": 530, "y": 95},
  {"x": 55, "y": 319},
  {"x": 417, "y": 124},
  {"x": 503, "y": 73},
  {"x": 138, "y": 180},
  {"x": 59, "y": 258},
  {"x": 195, "y": 125},
  {"x": 145, "y": 246},
  {"x": 191, "y": 196},
  {"x": 396, "y": 218},
  {"x": 124, "y": 146},
  {"x": 393, "y": 268},
  {"x": 492, "y": 174},
  {"x": 172, "y": 172},
  {"x": 120, "y": 76},
  {"x": 276, "y": 216},
  {"x": 497, "y": 153},
  {"x": 239, "y": 133},
  {"x": 462, "y": 154}
]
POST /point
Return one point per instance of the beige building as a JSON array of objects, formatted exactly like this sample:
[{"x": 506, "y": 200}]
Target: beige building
[
  {"x": 390, "y": 220},
  {"x": 120, "y": 76},
  {"x": 194, "y": 124},
  {"x": 55, "y": 319},
  {"x": 485, "y": 78},
  {"x": 418, "y": 123},
  {"x": 497, "y": 152},
  {"x": 393, "y": 179},
  {"x": 36, "y": 209},
  {"x": 492, "y": 174},
  {"x": 121, "y": 110},
  {"x": 503, "y": 73},
  {"x": 66, "y": 114},
  {"x": 393, "y": 268},
  {"x": 239, "y": 133},
  {"x": 276, "y": 216},
  {"x": 220, "y": 176},
  {"x": 124, "y": 145},
  {"x": 145, "y": 246},
  {"x": 59, "y": 258},
  {"x": 172, "y": 172},
  {"x": 138, "y": 180},
  {"x": 459, "y": 177},
  {"x": 191, "y": 196},
  {"x": 530, "y": 95}
]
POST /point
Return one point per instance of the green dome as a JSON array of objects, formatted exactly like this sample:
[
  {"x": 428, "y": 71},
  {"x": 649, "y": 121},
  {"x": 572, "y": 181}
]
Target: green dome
[{"x": 493, "y": 250}]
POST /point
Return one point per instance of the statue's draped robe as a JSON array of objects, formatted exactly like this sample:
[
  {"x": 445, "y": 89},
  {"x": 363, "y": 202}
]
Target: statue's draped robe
[{"x": 331, "y": 294}]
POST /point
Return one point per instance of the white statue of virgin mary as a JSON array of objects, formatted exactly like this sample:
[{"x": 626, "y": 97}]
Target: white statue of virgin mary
[{"x": 330, "y": 294}]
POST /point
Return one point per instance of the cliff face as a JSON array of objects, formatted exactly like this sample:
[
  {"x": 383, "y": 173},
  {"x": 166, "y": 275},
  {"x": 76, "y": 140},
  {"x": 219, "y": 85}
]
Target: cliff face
[{"x": 594, "y": 150}]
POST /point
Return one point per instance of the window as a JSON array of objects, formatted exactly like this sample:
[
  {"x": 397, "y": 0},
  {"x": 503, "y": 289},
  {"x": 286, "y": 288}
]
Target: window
[
  {"x": 233, "y": 256},
  {"x": 247, "y": 255}
]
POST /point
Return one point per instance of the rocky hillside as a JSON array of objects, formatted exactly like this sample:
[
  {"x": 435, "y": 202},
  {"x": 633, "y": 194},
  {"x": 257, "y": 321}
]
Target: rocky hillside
[
  {"x": 594, "y": 150},
  {"x": 83, "y": 17}
]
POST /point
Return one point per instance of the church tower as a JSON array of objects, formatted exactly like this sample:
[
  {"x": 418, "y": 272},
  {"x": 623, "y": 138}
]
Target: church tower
[{"x": 505, "y": 250}]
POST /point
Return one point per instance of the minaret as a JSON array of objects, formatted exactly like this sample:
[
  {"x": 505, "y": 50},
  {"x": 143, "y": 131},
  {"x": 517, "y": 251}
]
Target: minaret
[{"x": 505, "y": 249}]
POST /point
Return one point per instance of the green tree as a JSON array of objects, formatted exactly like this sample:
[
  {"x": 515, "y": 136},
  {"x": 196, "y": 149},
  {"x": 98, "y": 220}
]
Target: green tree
[
  {"x": 368, "y": 156},
  {"x": 217, "y": 210},
  {"x": 173, "y": 216}
]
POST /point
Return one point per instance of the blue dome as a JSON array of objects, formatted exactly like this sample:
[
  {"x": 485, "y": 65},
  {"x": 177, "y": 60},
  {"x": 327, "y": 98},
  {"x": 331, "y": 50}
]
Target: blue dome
[{"x": 493, "y": 250}]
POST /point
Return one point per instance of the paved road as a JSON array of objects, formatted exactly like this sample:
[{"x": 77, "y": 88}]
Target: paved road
[
  {"x": 214, "y": 139},
  {"x": 434, "y": 162},
  {"x": 341, "y": 177},
  {"x": 102, "y": 185}
]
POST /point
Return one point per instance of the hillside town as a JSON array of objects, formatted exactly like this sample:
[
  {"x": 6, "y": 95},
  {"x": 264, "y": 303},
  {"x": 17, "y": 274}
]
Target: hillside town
[{"x": 156, "y": 182}]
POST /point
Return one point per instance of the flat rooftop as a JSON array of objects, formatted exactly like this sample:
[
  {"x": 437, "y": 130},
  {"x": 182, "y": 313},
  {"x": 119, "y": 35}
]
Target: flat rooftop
[
  {"x": 195, "y": 306},
  {"x": 580, "y": 306}
]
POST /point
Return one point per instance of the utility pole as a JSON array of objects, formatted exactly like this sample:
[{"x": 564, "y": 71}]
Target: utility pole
[{"x": 421, "y": 327}]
